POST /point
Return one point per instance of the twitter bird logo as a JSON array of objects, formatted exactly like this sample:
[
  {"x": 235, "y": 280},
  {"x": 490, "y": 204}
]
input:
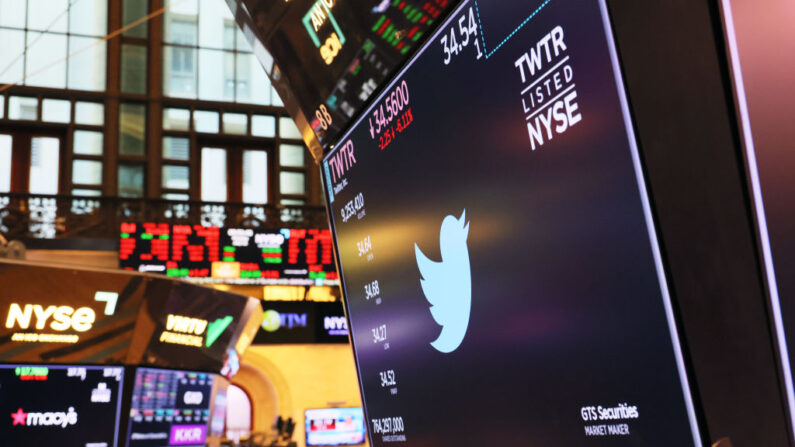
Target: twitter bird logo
[{"x": 448, "y": 284}]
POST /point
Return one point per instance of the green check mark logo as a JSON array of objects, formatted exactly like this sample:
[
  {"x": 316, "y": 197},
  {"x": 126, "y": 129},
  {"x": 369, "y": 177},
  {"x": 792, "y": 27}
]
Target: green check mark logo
[{"x": 216, "y": 328}]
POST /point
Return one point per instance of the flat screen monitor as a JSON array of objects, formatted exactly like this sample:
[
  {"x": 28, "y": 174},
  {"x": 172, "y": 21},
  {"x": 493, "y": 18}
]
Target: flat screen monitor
[
  {"x": 286, "y": 256},
  {"x": 334, "y": 426},
  {"x": 497, "y": 251},
  {"x": 70, "y": 406},
  {"x": 170, "y": 408}
]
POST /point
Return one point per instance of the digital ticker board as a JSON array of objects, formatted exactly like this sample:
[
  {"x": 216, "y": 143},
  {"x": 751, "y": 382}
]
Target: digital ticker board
[
  {"x": 229, "y": 255},
  {"x": 497, "y": 253}
]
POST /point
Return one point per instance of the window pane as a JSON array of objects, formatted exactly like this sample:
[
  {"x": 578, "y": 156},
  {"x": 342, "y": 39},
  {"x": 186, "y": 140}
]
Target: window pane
[
  {"x": 253, "y": 86},
  {"x": 181, "y": 22},
  {"x": 133, "y": 68},
  {"x": 5, "y": 160},
  {"x": 12, "y": 13},
  {"x": 89, "y": 17},
  {"x": 179, "y": 72},
  {"x": 47, "y": 15},
  {"x": 217, "y": 80},
  {"x": 291, "y": 155},
  {"x": 56, "y": 110},
  {"x": 44, "y": 161},
  {"x": 87, "y": 172},
  {"x": 176, "y": 196},
  {"x": 131, "y": 11},
  {"x": 11, "y": 60},
  {"x": 45, "y": 60},
  {"x": 214, "y": 19},
  {"x": 176, "y": 119},
  {"x": 238, "y": 414},
  {"x": 176, "y": 148},
  {"x": 292, "y": 202},
  {"x": 235, "y": 123},
  {"x": 88, "y": 142},
  {"x": 242, "y": 42},
  {"x": 89, "y": 113},
  {"x": 131, "y": 180},
  {"x": 213, "y": 180},
  {"x": 287, "y": 128},
  {"x": 175, "y": 177},
  {"x": 23, "y": 108},
  {"x": 205, "y": 121},
  {"x": 291, "y": 183},
  {"x": 276, "y": 100},
  {"x": 86, "y": 192},
  {"x": 255, "y": 176},
  {"x": 263, "y": 126},
  {"x": 87, "y": 68},
  {"x": 132, "y": 127}
]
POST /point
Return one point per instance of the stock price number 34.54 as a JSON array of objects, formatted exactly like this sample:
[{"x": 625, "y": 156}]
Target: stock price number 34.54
[{"x": 467, "y": 31}]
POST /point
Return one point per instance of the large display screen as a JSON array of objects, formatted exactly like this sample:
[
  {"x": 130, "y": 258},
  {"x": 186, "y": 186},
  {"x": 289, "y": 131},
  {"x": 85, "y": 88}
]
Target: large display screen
[
  {"x": 184, "y": 326},
  {"x": 498, "y": 257},
  {"x": 757, "y": 37},
  {"x": 298, "y": 322},
  {"x": 65, "y": 316},
  {"x": 229, "y": 255},
  {"x": 170, "y": 408},
  {"x": 334, "y": 426},
  {"x": 330, "y": 56},
  {"x": 69, "y": 406}
]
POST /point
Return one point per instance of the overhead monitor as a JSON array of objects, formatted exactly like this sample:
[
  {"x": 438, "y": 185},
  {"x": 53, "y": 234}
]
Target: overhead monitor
[
  {"x": 299, "y": 322},
  {"x": 170, "y": 408},
  {"x": 287, "y": 256},
  {"x": 327, "y": 57},
  {"x": 498, "y": 257},
  {"x": 70, "y": 406},
  {"x": 334, "y": 426}
]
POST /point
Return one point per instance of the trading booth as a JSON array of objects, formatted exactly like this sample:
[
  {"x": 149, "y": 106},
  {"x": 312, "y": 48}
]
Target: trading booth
[{"x": 109, "y": 358}]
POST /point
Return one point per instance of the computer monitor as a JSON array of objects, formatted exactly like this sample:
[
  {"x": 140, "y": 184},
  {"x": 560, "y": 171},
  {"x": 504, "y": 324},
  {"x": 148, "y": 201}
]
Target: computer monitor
[
  {"x": 496, "y": 242},
  {"x": 63, "y": 405},
  {"x": 170, "y": 407},
  {"x": 334, "y": 426}
]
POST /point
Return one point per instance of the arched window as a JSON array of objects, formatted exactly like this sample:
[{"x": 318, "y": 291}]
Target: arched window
[{"x": 238, "y": 413}]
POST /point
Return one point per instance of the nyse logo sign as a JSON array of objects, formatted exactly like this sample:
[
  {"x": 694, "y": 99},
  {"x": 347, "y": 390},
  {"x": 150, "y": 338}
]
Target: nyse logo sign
[
  {"x": 38, "y": 318},
  {"x": 335, "y": 325},
  {"x": 63, "y": 317}
]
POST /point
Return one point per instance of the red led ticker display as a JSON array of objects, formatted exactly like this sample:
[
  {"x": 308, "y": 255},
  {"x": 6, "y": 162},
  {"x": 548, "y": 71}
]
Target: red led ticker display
[{"x": 229, "y": 255}]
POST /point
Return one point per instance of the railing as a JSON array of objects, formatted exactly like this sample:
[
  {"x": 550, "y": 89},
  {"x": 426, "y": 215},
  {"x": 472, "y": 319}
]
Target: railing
[{"x": 55, "y": 217}]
